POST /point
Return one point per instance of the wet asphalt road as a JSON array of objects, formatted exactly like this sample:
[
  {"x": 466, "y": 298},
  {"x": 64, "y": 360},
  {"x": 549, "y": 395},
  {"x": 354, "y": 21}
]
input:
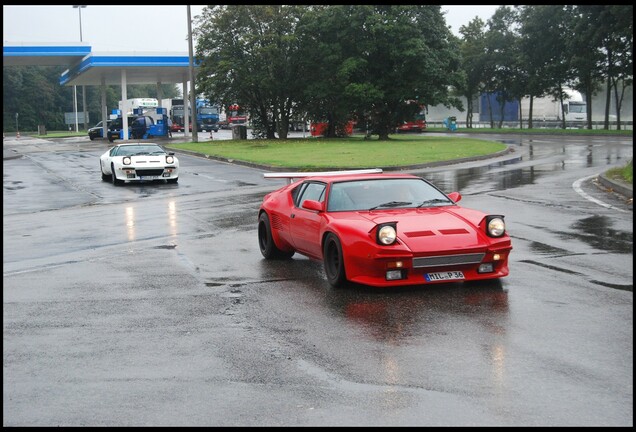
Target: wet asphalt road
[{"x": 150, "y": 305}]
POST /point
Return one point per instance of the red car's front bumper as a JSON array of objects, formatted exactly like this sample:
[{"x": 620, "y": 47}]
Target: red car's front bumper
[{"x": 402, "y": 270}]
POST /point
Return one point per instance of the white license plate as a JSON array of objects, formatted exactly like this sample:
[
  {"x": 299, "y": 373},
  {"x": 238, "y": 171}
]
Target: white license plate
[
  {"x": 444, "y": 276},
  {"x": 148, "y": 177}
]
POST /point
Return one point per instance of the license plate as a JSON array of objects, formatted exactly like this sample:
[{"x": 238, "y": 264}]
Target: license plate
[
  {"x": 148, "y": 177},
  {"x": 444, "y": 276}
]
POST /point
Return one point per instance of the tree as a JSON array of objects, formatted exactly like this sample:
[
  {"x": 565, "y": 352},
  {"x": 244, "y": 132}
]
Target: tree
[
  {"x": 586, "y": 31},
  {"x": 401, "y": 54},
  {"x": 503, "y": 60},
  {"x": 326, "y": 66},
  {"x": 547, "y": 55},
  {"x": 535, "y": 53},
  {"x": 617, "y": 30},
  {"x": 363, "y": 59},
  {"x": 391, "y": 56},
  {"x": 472, "y": 49},
  {"x": 35, "y": 94},
  {"x": 248, "y": 55}
]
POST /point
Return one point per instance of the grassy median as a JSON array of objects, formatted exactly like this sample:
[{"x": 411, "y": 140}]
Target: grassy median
[
  {"x": 356, "y": 152},
  {"x": 350, "y": 152}
]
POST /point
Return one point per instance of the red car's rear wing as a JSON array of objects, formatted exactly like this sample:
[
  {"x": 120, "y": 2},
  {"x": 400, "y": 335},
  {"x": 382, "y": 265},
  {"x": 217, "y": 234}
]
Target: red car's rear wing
[{"x": 290, "y": 176}]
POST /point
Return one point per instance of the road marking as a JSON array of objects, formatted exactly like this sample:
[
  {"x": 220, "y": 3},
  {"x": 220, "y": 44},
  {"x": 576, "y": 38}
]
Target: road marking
[{"x": 577, "y": 188}]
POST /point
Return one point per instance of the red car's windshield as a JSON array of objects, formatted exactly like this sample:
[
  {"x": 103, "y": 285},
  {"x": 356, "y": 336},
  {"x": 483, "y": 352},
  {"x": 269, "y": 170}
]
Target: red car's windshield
[{"x": 384, "y": 193}]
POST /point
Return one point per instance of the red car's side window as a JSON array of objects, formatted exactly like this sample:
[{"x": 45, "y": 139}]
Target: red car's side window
[{"x": 311, "y": 191}]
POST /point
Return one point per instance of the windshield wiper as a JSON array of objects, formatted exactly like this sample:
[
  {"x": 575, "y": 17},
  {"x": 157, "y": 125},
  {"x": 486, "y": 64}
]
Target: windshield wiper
[
  {"x": 433, "y": 201},
  {"x": 391, "y": 204}
]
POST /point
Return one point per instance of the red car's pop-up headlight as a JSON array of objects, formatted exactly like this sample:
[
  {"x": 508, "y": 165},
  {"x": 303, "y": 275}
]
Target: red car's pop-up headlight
[{"x": 386, "y": 234}]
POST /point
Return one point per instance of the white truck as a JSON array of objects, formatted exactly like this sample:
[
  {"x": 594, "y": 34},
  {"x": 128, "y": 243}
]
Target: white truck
[
  {"x": 148, "y": 107},
  {"x": 549, "y": 109},
  {"x": 145, "y": 103}
]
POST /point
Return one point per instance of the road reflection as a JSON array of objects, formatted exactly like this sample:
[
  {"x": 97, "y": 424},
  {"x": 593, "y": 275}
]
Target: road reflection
[
  {"x": 427, "y": 317},
  {"x": 597, "y": 231},
  {"x": 392, "y": 315},
  {"x": 140, "y": 221},
  {"x": 534, "y": 157},
  {"x": 130, "y": 222}
]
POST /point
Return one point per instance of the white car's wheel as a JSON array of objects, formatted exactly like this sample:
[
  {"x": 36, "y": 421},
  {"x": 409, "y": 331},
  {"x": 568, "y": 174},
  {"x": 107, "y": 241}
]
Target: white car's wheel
[
  {"x": 116, "y": 181},
  {"x": 105, "y": 177}
]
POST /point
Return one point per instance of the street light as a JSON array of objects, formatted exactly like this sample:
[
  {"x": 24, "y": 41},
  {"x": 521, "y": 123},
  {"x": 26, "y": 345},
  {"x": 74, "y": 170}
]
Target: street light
[
  {"x": 79, "y": 9},
  {"x": 193, "y": 94}
]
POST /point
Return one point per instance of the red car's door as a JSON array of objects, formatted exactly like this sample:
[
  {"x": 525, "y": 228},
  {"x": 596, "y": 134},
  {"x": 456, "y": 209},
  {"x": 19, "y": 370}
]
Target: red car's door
[{"x": 305, "y": 224}]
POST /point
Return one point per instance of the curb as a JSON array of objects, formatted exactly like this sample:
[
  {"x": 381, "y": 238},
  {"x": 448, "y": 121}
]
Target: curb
[{"x": 619, "y": 187}]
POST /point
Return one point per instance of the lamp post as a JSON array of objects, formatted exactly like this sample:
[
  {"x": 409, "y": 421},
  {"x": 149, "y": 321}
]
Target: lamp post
[
  {"x": 193, "y": 94},
  {"x": 79, "y": 9}
]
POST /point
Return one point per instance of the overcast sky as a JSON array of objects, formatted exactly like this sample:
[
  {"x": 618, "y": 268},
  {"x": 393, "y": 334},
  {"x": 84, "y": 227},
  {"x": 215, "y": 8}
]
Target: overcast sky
[{"x": 136, "y": 28}]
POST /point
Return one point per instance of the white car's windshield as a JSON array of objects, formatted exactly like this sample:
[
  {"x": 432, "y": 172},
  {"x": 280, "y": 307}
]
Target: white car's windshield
[{"x": 139, "y": 150}]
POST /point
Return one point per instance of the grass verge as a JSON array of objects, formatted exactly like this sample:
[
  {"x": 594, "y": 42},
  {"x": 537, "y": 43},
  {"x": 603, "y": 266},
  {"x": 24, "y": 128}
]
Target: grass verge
[{"x": 351, "y": 152}]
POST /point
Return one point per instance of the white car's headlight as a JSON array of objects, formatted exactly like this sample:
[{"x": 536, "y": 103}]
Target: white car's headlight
[
  {"x": 496, "y": 226},
  {"x": 387, "y": 234},
  {"x": 126, "y": 160},
  {"x": 169, "y": 159}
]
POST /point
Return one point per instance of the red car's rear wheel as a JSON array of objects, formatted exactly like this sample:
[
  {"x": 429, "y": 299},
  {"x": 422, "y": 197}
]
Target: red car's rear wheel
[{"x": 266, "y": 242}]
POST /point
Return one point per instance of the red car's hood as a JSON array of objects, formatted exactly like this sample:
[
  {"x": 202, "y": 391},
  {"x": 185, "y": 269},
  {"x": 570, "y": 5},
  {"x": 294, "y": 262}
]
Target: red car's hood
[{"x": 434, "y": 229}]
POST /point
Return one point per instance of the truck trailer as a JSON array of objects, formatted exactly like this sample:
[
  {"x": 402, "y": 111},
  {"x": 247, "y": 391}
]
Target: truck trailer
[
  {"x": 548, "y": 109},
  {"x": 545, "y": 110}
]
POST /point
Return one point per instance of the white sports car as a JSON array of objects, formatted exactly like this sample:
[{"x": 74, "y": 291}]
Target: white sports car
[{"x": 135, "y": 162}]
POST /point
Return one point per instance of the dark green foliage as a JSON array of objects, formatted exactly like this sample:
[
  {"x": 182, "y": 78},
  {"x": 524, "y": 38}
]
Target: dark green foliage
[
  {"x": 35, "y": 93},
  {"x": 337, "y": 63}
]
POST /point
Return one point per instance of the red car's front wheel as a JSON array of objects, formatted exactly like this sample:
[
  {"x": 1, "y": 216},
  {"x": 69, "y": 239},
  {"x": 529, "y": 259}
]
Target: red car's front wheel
[{"x": 334, "y": 261}]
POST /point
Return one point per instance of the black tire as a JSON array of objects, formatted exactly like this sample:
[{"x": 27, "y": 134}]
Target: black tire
[
  {"x": 105, "y": 177},
  {"x": 114, "y": 178},
  {"x": 173, "y": 180},
  {"x": 266, "y": 242},
  {"x": 334, "y": 261}
]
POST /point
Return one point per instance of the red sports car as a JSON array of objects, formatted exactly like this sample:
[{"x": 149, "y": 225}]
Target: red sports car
[{"x": 381, "y": 229}]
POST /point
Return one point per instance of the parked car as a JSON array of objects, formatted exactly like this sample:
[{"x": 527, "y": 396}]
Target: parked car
[
  {"x": 380, "y": 229},
  {"x": 138, "y": 127},
  {"x": 135, "y": 162},
  {"x": 97, "y": 130}
]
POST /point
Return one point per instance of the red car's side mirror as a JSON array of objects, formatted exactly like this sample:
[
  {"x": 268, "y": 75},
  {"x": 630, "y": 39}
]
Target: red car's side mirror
[
  {"x": 455, "y": 196},
  {"x": 313, "y": 205}
]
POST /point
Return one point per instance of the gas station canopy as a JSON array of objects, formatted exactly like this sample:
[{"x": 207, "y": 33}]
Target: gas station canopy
[
  {"x": 140, "y": 68},
  {"x": 88, "y": 68},
  {"x": 44, "y": 55}
]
